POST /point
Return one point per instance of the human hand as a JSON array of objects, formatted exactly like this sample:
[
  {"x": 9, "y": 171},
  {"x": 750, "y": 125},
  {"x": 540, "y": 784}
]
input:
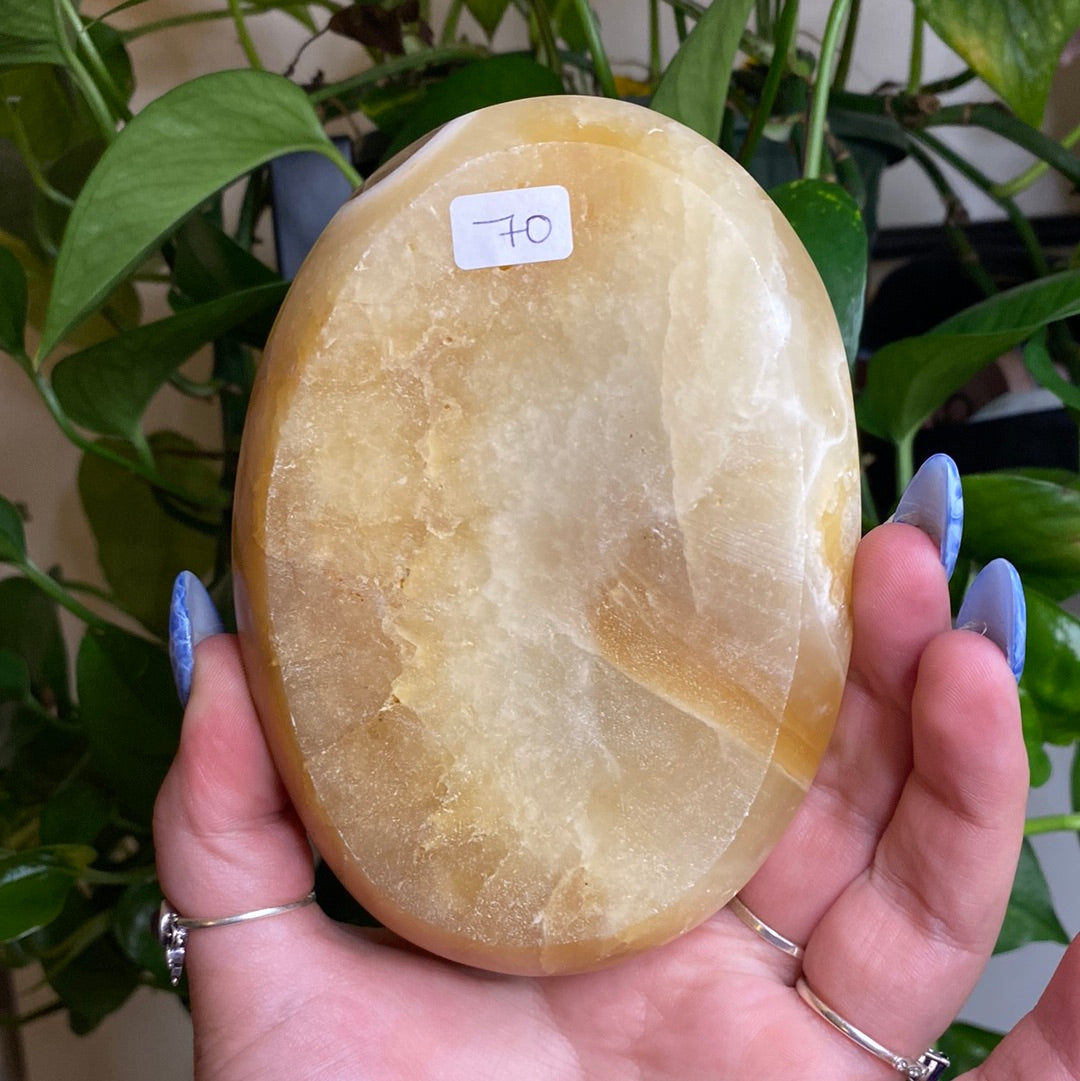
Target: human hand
[{"x": 895, "y": 875}]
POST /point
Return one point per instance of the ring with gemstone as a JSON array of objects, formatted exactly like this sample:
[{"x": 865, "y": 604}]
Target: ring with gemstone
[
  {"x": 928, "y": 1066},
  {"x": 172, "y": 929}
]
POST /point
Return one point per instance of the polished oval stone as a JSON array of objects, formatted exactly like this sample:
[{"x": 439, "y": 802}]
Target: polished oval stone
[{"x": 545, "y": 518}]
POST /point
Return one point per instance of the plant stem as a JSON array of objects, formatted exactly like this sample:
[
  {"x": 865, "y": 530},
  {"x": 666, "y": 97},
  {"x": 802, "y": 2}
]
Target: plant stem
[
  {"x": 93, "y": 877},
  {"x": 955, "y": 212},
  {"x": 785, "y": 34},
  {"x": 132, "y": 465},
  {"x": 92, "y": 95},
  {"x": 171, "y": 23},
  {"x": 601, "y": 65},
  {"x": 870, "y": 516},
  {"x": 763, "y": 20},
  {"x": 93, "y": 57},
  {"x": 89, "y": 589},
  {"x": 1020, "y": 223},
  {"x": 545, "y": 33},
  {"x": 346, "y": 166},
  {"x": 1067, "y": 823},
  {"x": 1028, "y": 177},
  {"x": 52, "y": 588},
  {"x": 17, "y": 1022},
  {"x": 847, "y": 50},
  {"x": 450, "y": 23},
  {"x": 687, "y": 7},
  {"x": 993, "y": 118},
  {"x": 953, "y": 82},
  {"x": 244, "y": 37},
  {"x": 654, "y": 42},
  {"x": 819, "y": 103},
  {"x": 905, "y": 462},
  {"x": 682, "y": 29},
  {"x": 443, "y": 54},
  {"x": 918, "y": 37},
  {"x": 26, "y": 152}
]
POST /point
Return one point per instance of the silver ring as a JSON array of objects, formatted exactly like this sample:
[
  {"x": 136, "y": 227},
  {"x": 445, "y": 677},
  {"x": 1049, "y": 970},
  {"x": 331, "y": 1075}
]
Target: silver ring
[
  {"x": 172, "y": 929},
  {"x": 928, "y": 1066},
  {"x": 763, "y": 930}
]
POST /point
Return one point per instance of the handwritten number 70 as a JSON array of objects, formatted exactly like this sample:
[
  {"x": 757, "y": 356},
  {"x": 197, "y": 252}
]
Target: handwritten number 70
[{"x": 536, "y": 230}]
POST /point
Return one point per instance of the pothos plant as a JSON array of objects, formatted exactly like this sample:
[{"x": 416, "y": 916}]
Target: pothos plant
[{"x": 97, "y": 203}]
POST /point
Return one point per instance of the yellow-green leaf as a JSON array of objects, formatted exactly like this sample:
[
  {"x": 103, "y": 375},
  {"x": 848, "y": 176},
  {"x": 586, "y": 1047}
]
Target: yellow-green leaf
[{"x": 1014, "y": 45}]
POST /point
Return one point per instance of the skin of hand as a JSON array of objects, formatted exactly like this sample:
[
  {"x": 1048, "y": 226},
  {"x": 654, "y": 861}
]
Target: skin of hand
[{"x": 895, "y": 874}]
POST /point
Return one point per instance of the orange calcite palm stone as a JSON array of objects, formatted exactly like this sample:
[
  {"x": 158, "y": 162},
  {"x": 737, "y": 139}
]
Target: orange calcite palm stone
[{"x": 543, "y": 566}]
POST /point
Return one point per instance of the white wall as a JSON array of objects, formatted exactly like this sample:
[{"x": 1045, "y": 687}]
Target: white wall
[{"x": 150, "y": 1038}]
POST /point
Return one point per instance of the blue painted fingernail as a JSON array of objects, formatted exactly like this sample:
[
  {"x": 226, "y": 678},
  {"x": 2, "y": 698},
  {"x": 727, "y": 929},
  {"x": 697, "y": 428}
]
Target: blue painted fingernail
[
  {"x": 934, "y": 502},
  {"x": 995, "y": 607},
  {"x": 192, "y": 617}
]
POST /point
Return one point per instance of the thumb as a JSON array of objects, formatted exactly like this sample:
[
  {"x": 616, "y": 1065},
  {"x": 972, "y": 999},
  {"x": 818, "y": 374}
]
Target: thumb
[{"x": 226, "y": 837}]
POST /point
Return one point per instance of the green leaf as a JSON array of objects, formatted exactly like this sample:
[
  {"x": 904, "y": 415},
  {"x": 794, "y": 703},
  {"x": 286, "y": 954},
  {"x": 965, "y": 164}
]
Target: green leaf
[
  {"x": 12, "y": 535},
  {"x": 37, "y": 755},
  {"x": 1031, "y": 521},
  {"x": 1014, "y": 46},
  {"x": 180, "y": 150},
  {"x": 16, "y": 207},
  {"x": 1029, "y": 306},
  {"x": 76, "y": 814},
  {"x": 14, "y": 677},
  {"x": 486, "y": 82},
  {"x": 907, "y": 380},
  {"x": 1030, "y": 916},
  {"x": 1040, "y": 364},
  {"x": 1052, "y": 672},
  {"x": 1040, "y": 768},
  {"x": 828, "y": 222},
  {"x": 107, "y": 387},
  {"x": 34, "y": 885},
  {"x": 36, "y": 100},
  {"x": 693, "y": 89},
  {"x": 488, "y": 13},
  {"x": 143, "y": 542},
  {"x": 209, "y": 264},
  {"x": 28, "y": 33},
  {"x": 30, "y": 628},
  {"x": 967, "y": 1046},
  {"x": 13, "y": 304},
  {"x": 134, "y": 920},
  {"x": 569, "y": 27},
  {"x": 114, "y": 55},
  {"x": 131, "y": 714},
  {"x": 122, "y": 309},
  {"x": 67, "y": 174},
  {"x": 94, "y": 984}
]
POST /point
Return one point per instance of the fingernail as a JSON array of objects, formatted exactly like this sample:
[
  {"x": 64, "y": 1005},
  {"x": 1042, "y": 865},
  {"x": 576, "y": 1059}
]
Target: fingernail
[
  {"x": 995, "y": 607},
  {"x": 934, "y": 503},
  {"x": 192, "y": 617}
]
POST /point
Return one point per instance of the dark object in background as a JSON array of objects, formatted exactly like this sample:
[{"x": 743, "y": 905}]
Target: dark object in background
[{"x": 306, "y": 190}]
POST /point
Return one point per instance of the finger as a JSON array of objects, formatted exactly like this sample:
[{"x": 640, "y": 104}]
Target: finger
[
  {"x": 900, "y": 950},
  {"x": 1046, "y": 1043},
  {"x": 900, "y": 603},
  {"x": 226, "y": 837}
]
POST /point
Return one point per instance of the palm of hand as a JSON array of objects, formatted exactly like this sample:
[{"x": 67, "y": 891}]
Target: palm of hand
[{"x": 895, "y": 874}]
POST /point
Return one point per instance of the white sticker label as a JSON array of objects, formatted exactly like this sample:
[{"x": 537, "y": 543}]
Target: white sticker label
[{"x": 506, "y": 228}]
